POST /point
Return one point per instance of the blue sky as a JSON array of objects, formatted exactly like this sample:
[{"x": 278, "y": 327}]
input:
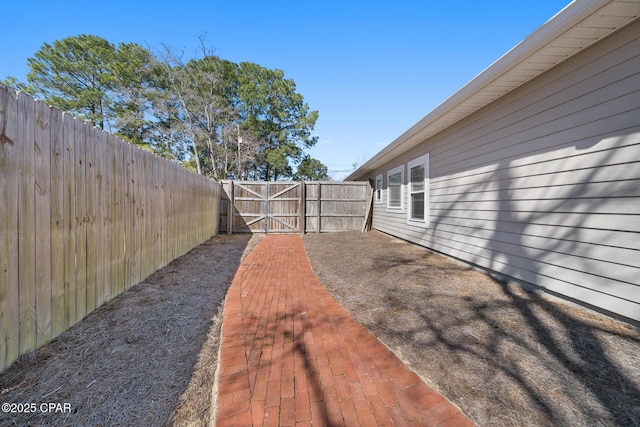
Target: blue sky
[{"x": 372, "y": 69}]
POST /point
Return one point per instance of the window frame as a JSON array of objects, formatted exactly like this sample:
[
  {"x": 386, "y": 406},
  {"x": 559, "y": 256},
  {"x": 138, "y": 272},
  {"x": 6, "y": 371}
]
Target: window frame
[
  {"x": 422, "y": 160},
  {"x": 378, "y": 189},
  {"x": 394, "y": 171}
]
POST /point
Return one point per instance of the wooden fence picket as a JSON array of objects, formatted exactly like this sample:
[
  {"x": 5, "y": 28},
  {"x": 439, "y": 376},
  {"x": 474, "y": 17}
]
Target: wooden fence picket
[
  {"x": 69, "y": 203},
  {"x": 26, "y": 223},
  {"x": 98, "y": 227},
  {"x": 42, "y": 196},
  {"x": 56, "y": 220},
  {"x": 90, "y": 218},
  {"x": 9, "y": 184},
  {"x": 80, "y": 221}
]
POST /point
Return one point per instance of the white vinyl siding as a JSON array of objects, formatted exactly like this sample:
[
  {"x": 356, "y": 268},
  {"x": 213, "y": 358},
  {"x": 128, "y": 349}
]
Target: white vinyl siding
[
  {"x": 394, "y": 189},
  {"x": 418, "y": 183},
  {"x": 543, "y": 184}
]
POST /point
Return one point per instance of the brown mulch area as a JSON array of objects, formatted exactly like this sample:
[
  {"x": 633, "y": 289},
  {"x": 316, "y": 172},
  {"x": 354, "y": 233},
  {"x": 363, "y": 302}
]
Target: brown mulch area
[
  {"x": 506, "y": 357},
  {"x": 146, "y": 358}
]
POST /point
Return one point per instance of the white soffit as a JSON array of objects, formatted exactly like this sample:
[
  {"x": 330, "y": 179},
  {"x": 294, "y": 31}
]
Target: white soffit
[{"x": 576, "y": 27}]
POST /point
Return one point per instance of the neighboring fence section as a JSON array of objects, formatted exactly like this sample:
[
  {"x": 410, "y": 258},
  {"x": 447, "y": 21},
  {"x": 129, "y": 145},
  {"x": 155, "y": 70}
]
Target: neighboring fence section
[
  {"x": 294, "y": 207},
  {"x": 83, "y": 217},
  {"x": 336, "y": 206}
]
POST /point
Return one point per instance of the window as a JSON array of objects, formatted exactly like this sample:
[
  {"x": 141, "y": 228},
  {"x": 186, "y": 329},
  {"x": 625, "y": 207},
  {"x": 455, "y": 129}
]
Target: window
[
  {"x": 394, "y": 188},
  {"x": 418, "y": 212},
  {"x": 378, "y": 189}
]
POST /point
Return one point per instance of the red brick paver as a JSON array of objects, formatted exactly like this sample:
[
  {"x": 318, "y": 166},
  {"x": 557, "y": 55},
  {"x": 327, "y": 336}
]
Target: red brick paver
[{"x": 292, "y": 356}]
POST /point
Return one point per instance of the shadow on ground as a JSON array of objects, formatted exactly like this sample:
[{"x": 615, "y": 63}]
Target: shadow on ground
[{"x": 505, "y": 356}]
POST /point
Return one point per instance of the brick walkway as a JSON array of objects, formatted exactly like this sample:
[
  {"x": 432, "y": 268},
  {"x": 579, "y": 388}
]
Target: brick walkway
[{"x": 291, "y": 355}]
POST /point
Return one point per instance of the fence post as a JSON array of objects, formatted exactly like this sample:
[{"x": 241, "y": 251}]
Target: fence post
[
  {"x": 267, "y": 208},
  {"x": 230, "y": 202},
  {"x": 319, "y": 205},
  {"x": 303, "y": 205},
  {"x": 368, "y": 207}
]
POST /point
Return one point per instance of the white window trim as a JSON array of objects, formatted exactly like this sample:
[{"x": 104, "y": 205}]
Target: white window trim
[
  {"x": 424, "y": 160},
  {"x": 378, "y": 190},
  {"x": 393, "y": 172}
]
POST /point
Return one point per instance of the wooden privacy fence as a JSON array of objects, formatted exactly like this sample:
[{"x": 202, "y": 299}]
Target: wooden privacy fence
[
  {"x": 294, "y": 207},
  {"x": 83, "y": 217}
]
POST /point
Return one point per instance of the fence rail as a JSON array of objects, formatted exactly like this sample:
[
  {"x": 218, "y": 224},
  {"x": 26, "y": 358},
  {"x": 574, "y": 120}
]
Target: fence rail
[{"x": 83, "y": 217}]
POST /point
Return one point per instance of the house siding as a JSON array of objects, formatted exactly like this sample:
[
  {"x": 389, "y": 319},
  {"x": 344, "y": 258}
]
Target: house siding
[{"x": 543, "y": 185}]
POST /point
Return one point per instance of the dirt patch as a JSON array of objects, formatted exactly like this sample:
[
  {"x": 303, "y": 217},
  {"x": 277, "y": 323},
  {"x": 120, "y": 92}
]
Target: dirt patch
[
  {"x": 147, "y": 357},
  {"x": 506, "y": 357}
]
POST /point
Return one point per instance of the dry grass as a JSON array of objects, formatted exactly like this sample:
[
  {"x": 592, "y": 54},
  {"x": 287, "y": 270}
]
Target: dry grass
[
  {"x": 506, "y": 357},
  {"x": 147, "y": 357}
]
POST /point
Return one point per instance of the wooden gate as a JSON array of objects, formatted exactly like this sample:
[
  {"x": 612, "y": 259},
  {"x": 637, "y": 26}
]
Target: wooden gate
[
  {"x": 266, "y": 207},
  {"x": 294, "y": 207}
]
